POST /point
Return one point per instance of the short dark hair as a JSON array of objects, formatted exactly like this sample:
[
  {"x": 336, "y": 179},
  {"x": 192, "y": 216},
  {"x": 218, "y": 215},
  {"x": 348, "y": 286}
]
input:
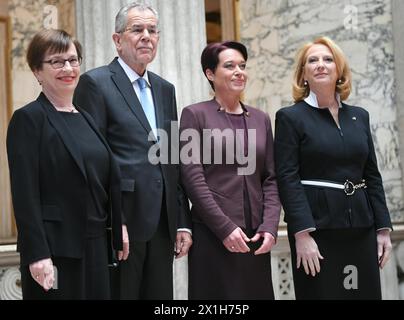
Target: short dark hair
[
  {"x": 210, "y": 55},
  {"x": 49, "y": 41}
]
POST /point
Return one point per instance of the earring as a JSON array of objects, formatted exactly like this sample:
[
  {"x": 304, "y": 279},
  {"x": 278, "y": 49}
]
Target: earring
[
  {"x": 306, "y": 83},
  {"x": 339, "y": 81},
  {"x": 40, "y": 82}
]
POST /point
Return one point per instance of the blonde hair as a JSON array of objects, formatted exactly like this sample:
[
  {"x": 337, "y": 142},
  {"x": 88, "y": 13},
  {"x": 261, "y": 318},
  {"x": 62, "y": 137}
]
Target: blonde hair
[{"x": 343, "y": 86}]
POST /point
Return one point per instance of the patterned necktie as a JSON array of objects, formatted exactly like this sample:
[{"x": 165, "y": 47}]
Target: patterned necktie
[{"x": 147, "y": 106}]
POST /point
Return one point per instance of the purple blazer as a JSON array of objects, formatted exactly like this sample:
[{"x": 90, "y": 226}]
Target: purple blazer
[{"x": 215, "y": 190}]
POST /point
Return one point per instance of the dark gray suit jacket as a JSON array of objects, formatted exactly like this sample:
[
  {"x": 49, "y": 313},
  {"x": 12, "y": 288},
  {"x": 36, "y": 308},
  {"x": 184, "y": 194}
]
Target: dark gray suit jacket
[{"x": 108, "y": 95}]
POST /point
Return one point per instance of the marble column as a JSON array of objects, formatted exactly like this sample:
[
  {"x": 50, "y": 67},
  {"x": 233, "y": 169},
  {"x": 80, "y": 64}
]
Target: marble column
[
  {"x": 95, "y": 22},
  {"x": 182, "y": 39},
  {"x": 388, "y": 279},
  {"x": 398, "y": 37}
]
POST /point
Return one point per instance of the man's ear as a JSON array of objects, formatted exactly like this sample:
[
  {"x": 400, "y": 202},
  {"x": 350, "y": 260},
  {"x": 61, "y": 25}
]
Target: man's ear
[
  {"x": 116, "y": 37},
  {"x": 209, "y": 74}
]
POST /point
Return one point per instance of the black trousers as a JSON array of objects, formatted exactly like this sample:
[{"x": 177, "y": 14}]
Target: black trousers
[
  {"x": 76, "y": 279},
  {"x": 147, "y": 274}
]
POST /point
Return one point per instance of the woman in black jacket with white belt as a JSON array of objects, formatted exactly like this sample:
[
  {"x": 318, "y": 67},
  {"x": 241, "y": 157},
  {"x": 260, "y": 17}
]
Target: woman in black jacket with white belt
[{"x": 329, "y": 184}]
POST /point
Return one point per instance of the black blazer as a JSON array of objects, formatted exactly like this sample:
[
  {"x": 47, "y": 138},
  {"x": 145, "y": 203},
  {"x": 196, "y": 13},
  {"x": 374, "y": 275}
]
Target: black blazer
[
  {"x": 49, "y": 185},
  {"x": 108, "y": 95},
  {"x": 309, "y": 146}
]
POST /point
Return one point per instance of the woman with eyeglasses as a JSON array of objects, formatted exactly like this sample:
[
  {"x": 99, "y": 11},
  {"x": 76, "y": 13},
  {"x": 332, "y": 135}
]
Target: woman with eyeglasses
[
  {"x": 329, "y": 184},
  {"x": 65, "y": 182}
]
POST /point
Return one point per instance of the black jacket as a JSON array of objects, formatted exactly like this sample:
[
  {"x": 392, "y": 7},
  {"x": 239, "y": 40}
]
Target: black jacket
[
  {"x": 49, "y": 185},
  {"x": 310, "y": 146}
]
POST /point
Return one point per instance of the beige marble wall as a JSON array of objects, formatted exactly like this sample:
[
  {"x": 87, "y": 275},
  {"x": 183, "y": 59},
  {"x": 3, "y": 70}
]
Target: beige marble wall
[
  {"x": 3, "y": 8},
  {"x": 27, "y": 18},
  {"x": 273, "y": 31},
  {"x": 398, "y": 36}
]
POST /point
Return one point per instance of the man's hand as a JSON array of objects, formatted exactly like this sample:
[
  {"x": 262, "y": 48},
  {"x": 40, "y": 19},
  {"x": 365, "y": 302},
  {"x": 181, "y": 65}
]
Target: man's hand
[
  {"x": 123, "y": 254},
  {"x": 42, "y": 272},
  {"x": 182, "y": 244}
]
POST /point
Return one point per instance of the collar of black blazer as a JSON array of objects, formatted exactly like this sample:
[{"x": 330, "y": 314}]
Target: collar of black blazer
[{"x": 61, "y": 128}]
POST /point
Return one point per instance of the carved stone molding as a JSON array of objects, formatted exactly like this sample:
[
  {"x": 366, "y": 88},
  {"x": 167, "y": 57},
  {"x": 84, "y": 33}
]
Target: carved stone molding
[{"x": 10, "y": 284}]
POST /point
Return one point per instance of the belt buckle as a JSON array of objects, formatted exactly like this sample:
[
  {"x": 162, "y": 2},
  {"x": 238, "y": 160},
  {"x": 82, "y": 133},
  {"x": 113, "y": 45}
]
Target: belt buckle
[{"x": 349, "y": 188}]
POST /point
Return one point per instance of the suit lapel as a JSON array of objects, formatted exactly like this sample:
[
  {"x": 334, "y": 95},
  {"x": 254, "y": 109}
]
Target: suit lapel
[
  {"x": 158, "y": 101},
  {"x": 124, "y": 86},
  {"x": 93, "y": 126},
  {"x": 250, "y": 123},
  {"x": 90, "y": 122},
  {"x": 61, "y": 128},
  {"x": 222, "y": 121},
  {"x": 248, "y": 120}
]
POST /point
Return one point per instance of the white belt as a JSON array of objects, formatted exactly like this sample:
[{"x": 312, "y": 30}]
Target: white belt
[
  {"x": 348, "y": 187},
  {"x": 323, "y": 184}
]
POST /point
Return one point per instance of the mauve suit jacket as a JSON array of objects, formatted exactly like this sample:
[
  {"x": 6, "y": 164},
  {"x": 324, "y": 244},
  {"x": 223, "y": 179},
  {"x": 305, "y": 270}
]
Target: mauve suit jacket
[{"x": 215, "y": 190}]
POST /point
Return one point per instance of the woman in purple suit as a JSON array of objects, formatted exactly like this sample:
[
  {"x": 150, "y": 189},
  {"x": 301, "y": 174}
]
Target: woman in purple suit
[{"x": 229, "y": 177}]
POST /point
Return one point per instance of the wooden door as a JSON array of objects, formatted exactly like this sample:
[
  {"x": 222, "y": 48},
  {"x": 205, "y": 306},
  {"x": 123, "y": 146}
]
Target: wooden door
[{"x": 7, "y": 225}]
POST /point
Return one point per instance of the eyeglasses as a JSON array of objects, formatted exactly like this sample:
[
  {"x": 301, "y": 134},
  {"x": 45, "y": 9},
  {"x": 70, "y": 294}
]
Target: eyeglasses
[
  {"x": 60, "y": 63},
  {"x": 139, "y": 30}
]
